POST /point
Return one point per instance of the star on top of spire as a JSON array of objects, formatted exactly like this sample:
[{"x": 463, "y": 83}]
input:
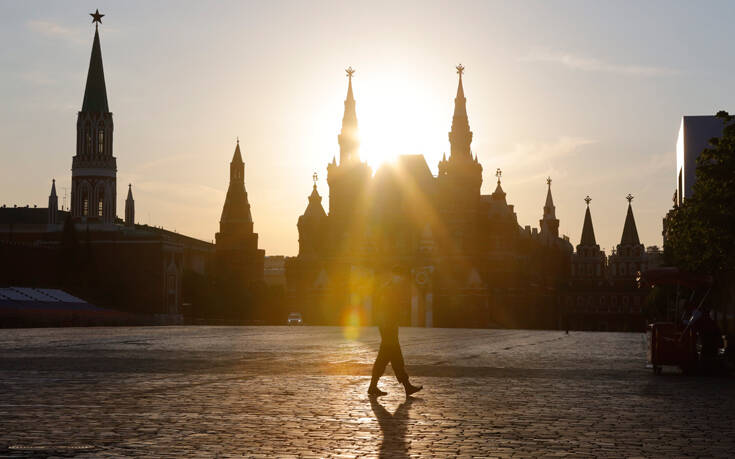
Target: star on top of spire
[
  {"x": 629, "y": 198},
  {"x": 96, "y": 17},
  {"x": 315, "y": 177},
  {"x": 587, "y": 200},
  {"x": 548, "y": 181},
  {"x": 350, "y": 71},
  {"x": 498, "y": 174},
  {"x": 460, "y": 70}
]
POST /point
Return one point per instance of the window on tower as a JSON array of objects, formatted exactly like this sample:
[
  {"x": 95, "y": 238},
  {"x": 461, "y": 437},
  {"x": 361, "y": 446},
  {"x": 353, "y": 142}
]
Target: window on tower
[
  {"x": 100, "y": 141},
  {"x": 89, "y": 143},
  {"x": 85, "y": 205},
  {"x": 100, "y": 204}
]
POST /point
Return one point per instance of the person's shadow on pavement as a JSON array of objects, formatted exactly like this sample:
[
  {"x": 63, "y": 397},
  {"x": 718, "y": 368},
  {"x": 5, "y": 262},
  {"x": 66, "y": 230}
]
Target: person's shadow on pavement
[{"x": 394, "y": 427}]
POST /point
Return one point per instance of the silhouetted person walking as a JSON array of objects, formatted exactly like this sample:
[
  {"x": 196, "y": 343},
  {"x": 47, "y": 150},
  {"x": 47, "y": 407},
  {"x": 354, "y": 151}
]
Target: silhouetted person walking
[{"x": 387, "y": 315}]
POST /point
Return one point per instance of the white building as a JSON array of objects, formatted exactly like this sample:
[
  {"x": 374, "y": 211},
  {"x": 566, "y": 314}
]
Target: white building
[{"x": 695, "y": 133}]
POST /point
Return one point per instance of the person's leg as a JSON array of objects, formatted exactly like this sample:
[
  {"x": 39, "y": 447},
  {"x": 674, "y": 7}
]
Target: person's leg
[
  {"x": 381, "y": 361},
  {"x": 397, "y": 362},
  {"x": 395, "y": 355}
]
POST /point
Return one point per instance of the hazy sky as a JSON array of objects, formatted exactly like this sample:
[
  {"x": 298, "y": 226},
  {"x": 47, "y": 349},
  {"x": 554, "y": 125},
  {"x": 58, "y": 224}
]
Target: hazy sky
[{"x": 590, "y": 93}]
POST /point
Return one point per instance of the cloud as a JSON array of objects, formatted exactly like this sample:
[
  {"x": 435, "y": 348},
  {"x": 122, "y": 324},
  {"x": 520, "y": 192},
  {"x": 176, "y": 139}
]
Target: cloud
[
  {"x": 589, "y": 64},
  {"x": 531, "y": 152},
  {"x": 533, "y": 160},
  {"x": 51, "y": 29}
]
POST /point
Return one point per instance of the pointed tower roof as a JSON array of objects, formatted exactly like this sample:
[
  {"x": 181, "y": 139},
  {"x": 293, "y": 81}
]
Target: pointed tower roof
[
  {"x": 498, "y": 194},
  {"x": 53, "y": 188},
  {"x": 237, "y": 156},
  {"x": 95, "y": 92},
  {"x": 236, "y": 210},
  {"x": 460, "y": 137},
  {"x": 348, "y": 137},
  {"x": 314, "y": 208},
  {"x": 588, "y": 231},
  {"x": 460, "y": 101},
  {"x": 130, "y": 192},
  {"x": 549, "y": 208},
  {"x": 630, "y": 232}
]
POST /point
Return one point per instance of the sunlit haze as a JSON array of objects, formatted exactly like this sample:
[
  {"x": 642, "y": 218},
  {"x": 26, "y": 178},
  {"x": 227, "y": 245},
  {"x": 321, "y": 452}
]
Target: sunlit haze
[{"x": 587, "y": 93}]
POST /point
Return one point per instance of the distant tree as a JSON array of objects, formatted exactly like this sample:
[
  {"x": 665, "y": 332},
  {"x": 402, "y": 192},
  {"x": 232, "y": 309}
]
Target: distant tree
[{"x": 700, "y": 231}]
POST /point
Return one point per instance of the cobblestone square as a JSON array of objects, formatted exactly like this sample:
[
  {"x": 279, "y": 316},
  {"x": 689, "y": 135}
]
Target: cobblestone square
[{"x": 300, "y": 392}]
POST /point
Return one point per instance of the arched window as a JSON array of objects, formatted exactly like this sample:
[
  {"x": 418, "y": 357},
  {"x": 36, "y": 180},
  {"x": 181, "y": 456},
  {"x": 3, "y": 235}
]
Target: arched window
[
  {"x": 85, "y": 203},
  {"x": 88, "y": 148},
  {"x": 100, "y": 202},
  {"x": 100, "y": 140}
]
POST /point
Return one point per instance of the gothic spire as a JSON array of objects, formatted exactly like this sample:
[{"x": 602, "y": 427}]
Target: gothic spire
[
  {"x": 95, "y": 92},
  {"x": 237, "y": 157},
  {"x": 348, "y": 137},
  {"x": 460, "y": 137},
  {"x": 630, "y": 232},
  {"x": 549, "y": 208},
  {"x": 588, "y": 232},
  {"x": 130, "y": 207},
  {"x": 53, "y": 204}
]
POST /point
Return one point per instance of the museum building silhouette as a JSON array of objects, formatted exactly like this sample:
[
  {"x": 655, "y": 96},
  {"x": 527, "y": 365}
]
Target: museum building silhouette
[
  {"x": 115, "y": 262},
  {"x": 467, "y": 260}
]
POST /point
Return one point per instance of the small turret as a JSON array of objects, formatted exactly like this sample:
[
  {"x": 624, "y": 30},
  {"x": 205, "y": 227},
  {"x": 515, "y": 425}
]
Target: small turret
[
  {"x": 53, "y": 205},
  {"x": 549, "y": 224},
  {"x": 130, "y": 207},
  {"x": 310, "y": 224}
]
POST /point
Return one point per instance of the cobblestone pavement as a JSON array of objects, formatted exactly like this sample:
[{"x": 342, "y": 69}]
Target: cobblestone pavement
[{"x": 300, "y": 392}]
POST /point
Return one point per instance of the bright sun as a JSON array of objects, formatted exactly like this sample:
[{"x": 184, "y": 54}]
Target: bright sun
[{"x": 399, "y": 117}]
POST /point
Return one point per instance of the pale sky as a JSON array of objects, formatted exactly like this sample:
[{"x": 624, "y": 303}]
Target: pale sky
[{"x": 590, "y": 93}]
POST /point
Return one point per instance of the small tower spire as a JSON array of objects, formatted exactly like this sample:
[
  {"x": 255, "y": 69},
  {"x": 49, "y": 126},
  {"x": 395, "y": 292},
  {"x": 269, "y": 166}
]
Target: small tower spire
[
  {"x": 549, "y": 223},
  {"x": 53, "y": 205},
  {"x": 130, "y": 207},
  {"x": 349, "y": 142},
  {"x": 549, "y": 208},
  {"x": 498, "y": 194},
  {"x": 630, "y": 231},
  {"x": 588, "y": 231}
]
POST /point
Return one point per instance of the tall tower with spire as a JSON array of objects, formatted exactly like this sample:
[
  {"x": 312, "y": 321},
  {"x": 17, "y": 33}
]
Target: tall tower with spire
[
  {"x": 460, "y": 177},
  {"x": 549, "y": 224},
  {"x": 236, "y": 249},
  {"x": 349, "y": 180},
  {"x": 94, "y": 168}
]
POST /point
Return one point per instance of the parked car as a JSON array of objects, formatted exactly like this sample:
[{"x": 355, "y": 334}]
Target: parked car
[{"x": 295, "y": 319}]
